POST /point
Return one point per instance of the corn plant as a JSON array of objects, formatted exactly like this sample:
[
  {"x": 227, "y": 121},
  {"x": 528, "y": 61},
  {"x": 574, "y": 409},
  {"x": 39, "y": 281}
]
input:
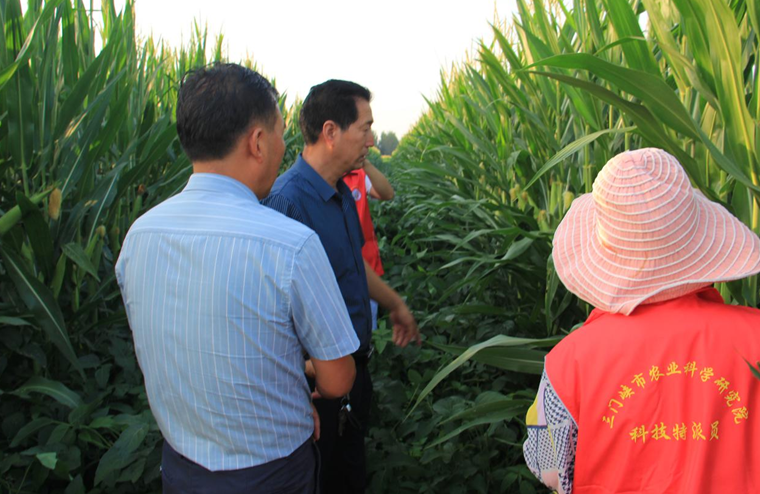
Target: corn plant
[
  {"x": 514, "y": 136},
  {"x": 87, "y": 144}
]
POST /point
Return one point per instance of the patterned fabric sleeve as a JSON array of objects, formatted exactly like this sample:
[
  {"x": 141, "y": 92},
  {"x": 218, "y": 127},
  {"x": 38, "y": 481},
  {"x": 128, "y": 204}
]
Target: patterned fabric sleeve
[
  {"x": 552, "y": 440},
  {"x": 282, "y": 205}
]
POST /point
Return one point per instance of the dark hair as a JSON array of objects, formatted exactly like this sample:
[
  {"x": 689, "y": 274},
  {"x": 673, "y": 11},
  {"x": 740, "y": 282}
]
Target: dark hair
[
  {"x": 332, "y": 100},
  {"x": 216, "y": 104}
]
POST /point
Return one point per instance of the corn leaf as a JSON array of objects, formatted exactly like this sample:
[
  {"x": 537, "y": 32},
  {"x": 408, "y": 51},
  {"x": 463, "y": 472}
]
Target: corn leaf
[
  {"x": 76, "y": 253},
  {"x": 6, "y": 73},
  {"x": 38, "y": 232},
  {"x": 469, "y": 353},
  {"x": 38, "y": 298},
  {"x": 652, "y": 90},
  {"x": 54, "y": 389},
  {"x": 573, "y": 148},
  {"x": 500, "y": 415}
]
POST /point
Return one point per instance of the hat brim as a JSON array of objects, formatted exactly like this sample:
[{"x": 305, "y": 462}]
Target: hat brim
[{"x": 720, "y": 248}]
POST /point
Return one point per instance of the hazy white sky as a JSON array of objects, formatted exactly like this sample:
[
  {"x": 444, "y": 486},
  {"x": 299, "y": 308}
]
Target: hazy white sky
[{"x": 396, "y": 48}]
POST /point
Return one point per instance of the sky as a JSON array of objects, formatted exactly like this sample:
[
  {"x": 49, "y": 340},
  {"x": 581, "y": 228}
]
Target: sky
[{"x": 396, "y": 48}]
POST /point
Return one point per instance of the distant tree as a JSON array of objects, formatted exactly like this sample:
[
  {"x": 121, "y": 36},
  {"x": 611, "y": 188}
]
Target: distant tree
[
  {"x": 388, "y": 143},
  {"x": 377, "y": 139}
]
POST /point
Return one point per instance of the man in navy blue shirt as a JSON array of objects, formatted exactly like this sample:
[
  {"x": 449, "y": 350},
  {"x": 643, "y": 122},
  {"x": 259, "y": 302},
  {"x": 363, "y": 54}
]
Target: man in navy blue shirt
[{"x": 336, "y": 121}]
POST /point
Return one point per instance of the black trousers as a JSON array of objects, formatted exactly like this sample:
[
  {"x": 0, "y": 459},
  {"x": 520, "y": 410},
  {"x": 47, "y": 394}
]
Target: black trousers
[
  {"x": 294, "y": 474},
  {"x": 344, "y": 466}
]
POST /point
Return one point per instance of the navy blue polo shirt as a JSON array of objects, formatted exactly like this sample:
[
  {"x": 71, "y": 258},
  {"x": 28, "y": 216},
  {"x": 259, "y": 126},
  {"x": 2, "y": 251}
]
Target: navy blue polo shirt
[{"x": 302, "y": 194}]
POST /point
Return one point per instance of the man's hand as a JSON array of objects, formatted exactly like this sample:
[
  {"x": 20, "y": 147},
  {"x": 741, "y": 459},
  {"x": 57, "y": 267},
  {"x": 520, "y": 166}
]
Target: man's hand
[
  {"x": 404, "y": 326},
  {"x": 317, "y": 425},
  {"x": 309, "y": 369}
]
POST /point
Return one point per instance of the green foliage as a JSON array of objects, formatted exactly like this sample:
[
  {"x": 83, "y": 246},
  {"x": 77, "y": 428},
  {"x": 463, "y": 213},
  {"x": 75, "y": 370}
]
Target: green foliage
[
  {"x": 486, "y": 175},
  {"x": 376, "y": 159},
  {"x": 87, "y": 144},
  {"x": 458, "y": 439}
]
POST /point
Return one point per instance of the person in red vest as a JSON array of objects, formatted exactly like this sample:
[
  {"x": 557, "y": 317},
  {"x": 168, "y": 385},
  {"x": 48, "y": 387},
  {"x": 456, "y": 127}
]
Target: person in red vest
[
  {"x": 653, "y": 393},
  {"x": 369, "y": 181}
]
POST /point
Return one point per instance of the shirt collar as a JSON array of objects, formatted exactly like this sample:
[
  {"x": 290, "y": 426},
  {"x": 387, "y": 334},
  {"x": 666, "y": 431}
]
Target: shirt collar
[
  {"x": 213, "y": 182},
  {"x": 324, "y": 189}
]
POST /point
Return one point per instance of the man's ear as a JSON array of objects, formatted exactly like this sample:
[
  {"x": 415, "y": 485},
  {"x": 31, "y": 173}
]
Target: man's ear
[
  {"x": 255, "y": 143},
  {"x": 330, "y": 131}
]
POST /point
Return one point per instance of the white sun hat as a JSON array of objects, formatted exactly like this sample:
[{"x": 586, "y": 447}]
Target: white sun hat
[{"x": 645, "y": 235}]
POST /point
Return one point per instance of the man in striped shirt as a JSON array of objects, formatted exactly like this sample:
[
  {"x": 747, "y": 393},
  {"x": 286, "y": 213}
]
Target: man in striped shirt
[{"x": 225, "y": 296}]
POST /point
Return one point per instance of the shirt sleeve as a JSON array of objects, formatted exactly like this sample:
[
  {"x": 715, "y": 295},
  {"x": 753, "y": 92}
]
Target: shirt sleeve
[
  {"x": 283, "y": 205},
  {"x": 319, "y": 313},
  {"x": 367, "y": 184},
  {"x": 552, "y": 440}
]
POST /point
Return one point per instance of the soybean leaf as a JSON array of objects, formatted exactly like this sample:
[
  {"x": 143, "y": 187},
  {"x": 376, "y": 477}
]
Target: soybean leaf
[
  {"x": 48, "y": 460},
  {"x": 76, "y": 486},
  {"x": 120, "y": 454},
  {"x": 30, "y": 428},
  {"x": 133, "y": 472}
]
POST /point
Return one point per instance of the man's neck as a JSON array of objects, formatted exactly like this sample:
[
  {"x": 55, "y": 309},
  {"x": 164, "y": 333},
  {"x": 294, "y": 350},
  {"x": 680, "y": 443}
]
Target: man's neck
[
  {"x": 233, "y": 171},
  {"x": 321, "y": 163}
]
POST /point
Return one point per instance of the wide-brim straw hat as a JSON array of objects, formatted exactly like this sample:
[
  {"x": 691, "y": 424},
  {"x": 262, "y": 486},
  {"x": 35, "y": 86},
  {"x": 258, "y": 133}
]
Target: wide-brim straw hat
[{"x": 646, "y": 235}]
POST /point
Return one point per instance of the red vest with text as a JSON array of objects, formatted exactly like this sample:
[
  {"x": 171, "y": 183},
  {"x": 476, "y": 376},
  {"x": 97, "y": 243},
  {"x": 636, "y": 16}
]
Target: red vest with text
[
  {"x": 370, "y": 251},
  {"x": 663, "y": 398}
]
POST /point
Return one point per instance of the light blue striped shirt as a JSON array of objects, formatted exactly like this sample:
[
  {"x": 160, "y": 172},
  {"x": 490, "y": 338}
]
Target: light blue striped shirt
[{"x": 223, "y": 296}]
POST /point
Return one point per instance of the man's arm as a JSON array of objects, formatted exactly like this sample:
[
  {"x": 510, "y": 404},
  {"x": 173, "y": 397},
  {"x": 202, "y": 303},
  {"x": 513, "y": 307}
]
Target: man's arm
[
  {"x": 381, "y": 187},
  {"x": 321, "y": 321},
  {"x": 404, "y": 326},
  {"x": 334, "y": 378}
]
